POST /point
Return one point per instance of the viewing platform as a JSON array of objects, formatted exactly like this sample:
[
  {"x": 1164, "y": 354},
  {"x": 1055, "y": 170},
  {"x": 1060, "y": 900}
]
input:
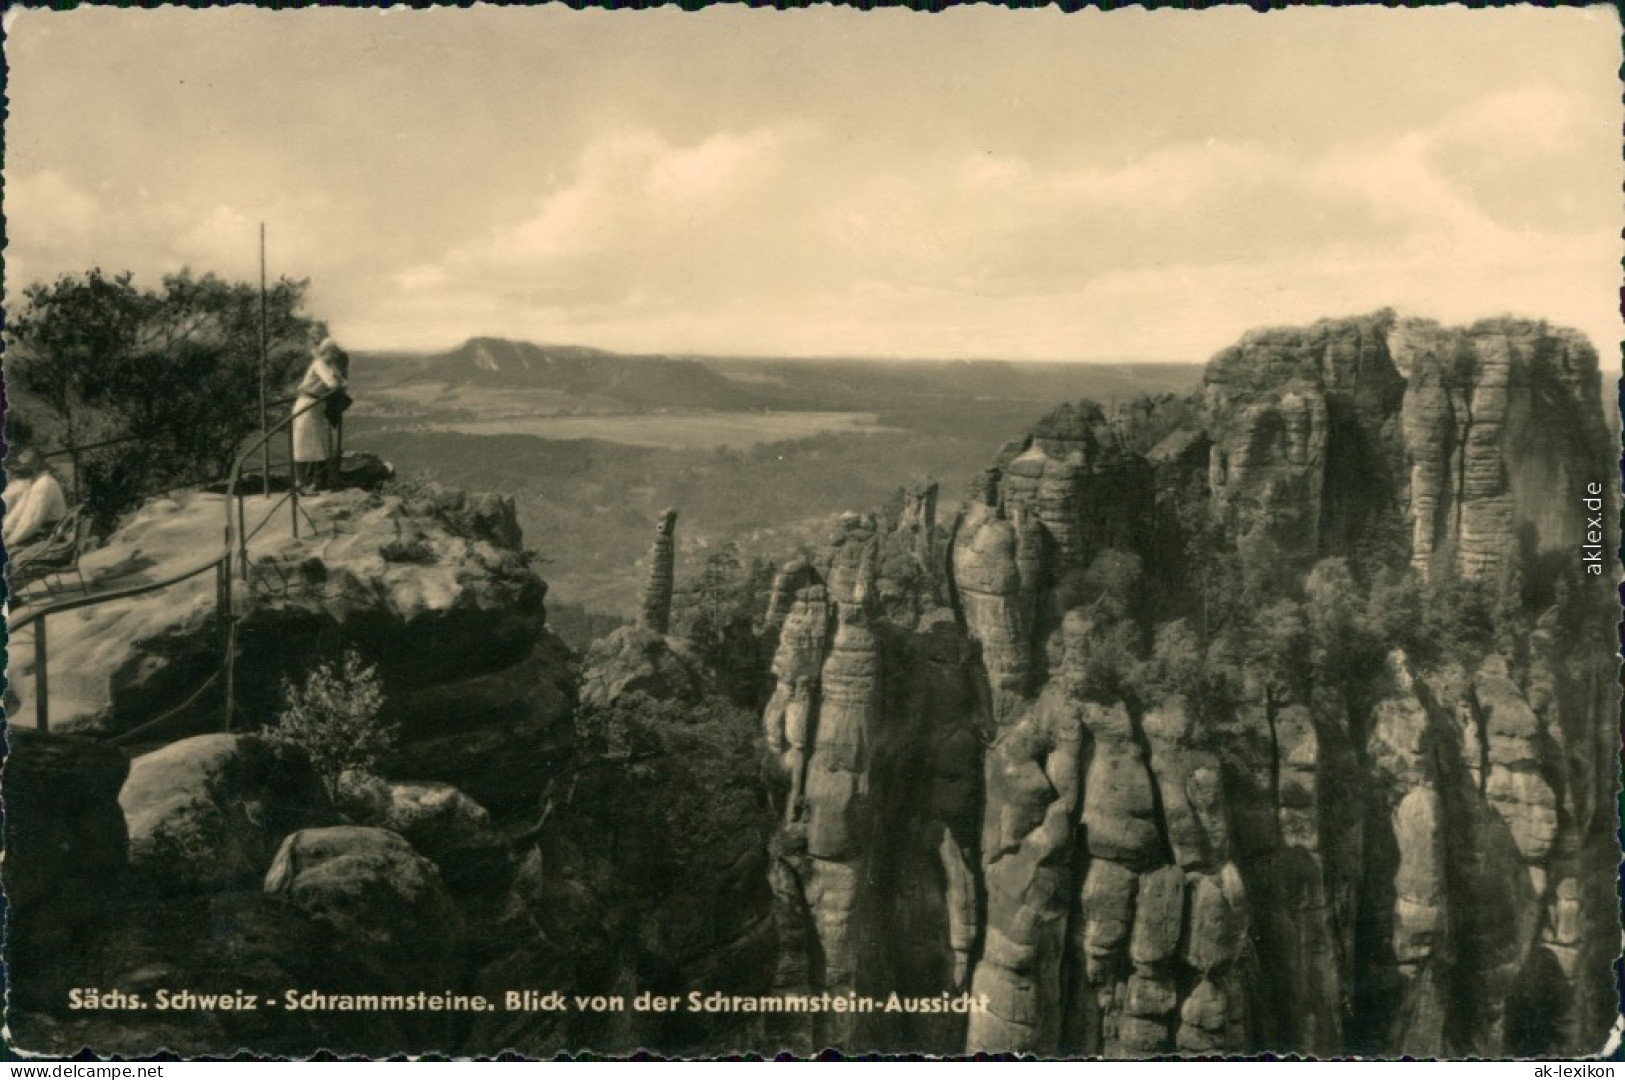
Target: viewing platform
[{"x": 116, "y": 665}]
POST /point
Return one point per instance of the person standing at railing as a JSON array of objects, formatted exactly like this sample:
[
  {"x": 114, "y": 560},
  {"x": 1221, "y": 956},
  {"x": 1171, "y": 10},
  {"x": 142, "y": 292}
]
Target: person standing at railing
[
  {"x": 34, "y": 502},
  {"x": 315, "y": 432}
]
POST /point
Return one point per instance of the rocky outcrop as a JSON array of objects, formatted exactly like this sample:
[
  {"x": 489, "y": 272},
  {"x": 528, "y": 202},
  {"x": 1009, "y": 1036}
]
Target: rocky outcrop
[
  {"x": 830, "y": 804},
  {"x": 1219, "y": 810},
  {"x": 636, "y": 660},
  {"x": 993, "y": 603},
  {"x": 500, "y": 737},
  {"x": 433, "y": 588},
  {"x": 74, "y": 922},
  {"x": 1027, "y": 843},
  {"x": 916, "y": 526}
]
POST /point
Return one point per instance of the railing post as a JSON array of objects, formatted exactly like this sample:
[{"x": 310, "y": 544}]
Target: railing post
[
  {"x": 223, "y": 609},
  {"x": 293, "y": 484},
  {"x": 42, "y": 680}
]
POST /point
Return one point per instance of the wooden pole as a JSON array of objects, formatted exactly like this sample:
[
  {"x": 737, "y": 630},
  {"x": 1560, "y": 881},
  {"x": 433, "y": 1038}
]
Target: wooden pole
[
  {"x": 223, "y": 606},
  {"x": 293, "y": 485},
  {"x": 265, "y": 444}
]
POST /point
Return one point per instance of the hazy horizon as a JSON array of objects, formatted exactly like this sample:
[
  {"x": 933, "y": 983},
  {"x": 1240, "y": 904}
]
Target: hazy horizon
[
  {"x": 788, "y": 358},
  {"x": 980, "y": 183}
]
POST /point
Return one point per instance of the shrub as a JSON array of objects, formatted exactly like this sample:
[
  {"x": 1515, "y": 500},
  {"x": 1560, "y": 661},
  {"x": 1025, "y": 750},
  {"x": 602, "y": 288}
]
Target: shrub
[
  {"x": 334, "y": 718},
  {"x": 177, "y": 368}
]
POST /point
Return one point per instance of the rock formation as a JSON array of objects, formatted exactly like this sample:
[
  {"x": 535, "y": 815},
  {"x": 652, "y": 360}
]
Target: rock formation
[
  {"x": 434, "y": 589},
  {"x": 917, "y": 524},
  {"x": 636, "y": 660},
  {"x": 1221, "y": 806},
  {"x": 157, "y": 865},
  {"x": 1496, "y": 422},
  {"x": 656, "y": 602}
]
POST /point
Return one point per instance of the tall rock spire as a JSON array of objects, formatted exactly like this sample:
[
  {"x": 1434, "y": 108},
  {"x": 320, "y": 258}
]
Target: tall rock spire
[{"x": 662, "y": 559}]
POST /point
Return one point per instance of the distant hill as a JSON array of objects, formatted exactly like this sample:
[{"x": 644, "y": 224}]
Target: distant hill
[
  {"x": 907, "y": 384},
  {"x": 580, "y": 372},
  {"x": 736, "y": 383}
]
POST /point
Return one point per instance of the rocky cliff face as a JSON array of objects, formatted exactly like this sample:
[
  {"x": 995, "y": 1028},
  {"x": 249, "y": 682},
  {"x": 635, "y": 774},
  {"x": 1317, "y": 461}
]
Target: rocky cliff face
[
  {"x": 1270, "y": 718},
  {"x": 1497, "y": 421},
  {"x": 1256, "y": 801},
  {"x": 216, "y": 861}
]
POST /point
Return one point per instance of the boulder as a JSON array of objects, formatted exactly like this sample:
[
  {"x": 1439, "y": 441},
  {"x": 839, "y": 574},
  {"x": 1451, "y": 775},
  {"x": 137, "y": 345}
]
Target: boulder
[
  {"x": 386, "y": 904},
  {"x": 206, "y": 814},
  {"x": 439, "y": 821}
]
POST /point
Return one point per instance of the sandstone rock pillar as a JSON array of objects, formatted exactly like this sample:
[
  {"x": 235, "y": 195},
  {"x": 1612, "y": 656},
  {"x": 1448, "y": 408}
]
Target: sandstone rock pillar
[{"x": 656, "y": 614}]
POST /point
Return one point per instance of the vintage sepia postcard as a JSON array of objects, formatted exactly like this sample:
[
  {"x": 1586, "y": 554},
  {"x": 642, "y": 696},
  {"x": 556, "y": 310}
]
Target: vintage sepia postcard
[{"x": 1080, "y": 534}]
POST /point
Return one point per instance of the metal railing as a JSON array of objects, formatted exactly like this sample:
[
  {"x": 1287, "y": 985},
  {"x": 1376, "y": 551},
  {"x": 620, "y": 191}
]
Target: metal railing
[
  {"x": 36, "y": 617},
  {"x": 234, "y": 545},
  {"x": 234, "y": 486},
  {"x": 76, "y": 452}
]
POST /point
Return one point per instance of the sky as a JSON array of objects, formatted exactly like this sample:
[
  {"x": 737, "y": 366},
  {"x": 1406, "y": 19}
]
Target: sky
[{"x": 982, "y": 182}]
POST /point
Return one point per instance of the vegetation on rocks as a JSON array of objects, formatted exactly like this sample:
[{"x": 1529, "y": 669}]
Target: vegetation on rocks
[{"x": 334, "y": 717}]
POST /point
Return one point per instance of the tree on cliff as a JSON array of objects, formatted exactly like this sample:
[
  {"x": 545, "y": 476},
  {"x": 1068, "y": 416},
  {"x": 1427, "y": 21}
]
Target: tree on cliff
[
  {"x": 175, "y": 367},
  {"x": 729, "y": 590}
]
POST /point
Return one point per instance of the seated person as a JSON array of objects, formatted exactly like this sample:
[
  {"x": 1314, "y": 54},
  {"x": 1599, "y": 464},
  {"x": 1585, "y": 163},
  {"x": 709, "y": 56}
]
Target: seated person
[{"x": 34, "y": 504}]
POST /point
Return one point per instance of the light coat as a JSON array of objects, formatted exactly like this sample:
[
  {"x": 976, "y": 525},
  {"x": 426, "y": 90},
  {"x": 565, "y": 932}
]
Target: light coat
[{"x": 314, "y": 439}]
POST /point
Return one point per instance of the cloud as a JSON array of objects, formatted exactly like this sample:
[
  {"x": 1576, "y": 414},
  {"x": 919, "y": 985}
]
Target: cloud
[
  {"x": 784, "y": 240},
  {"x": 1010, "y": 191},
  {"x": 52, "y": 203},
  {"x": 57, "y": 212},
  {"x": 1528, "y": 157},
  {"x": 632, "y": 191}
]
